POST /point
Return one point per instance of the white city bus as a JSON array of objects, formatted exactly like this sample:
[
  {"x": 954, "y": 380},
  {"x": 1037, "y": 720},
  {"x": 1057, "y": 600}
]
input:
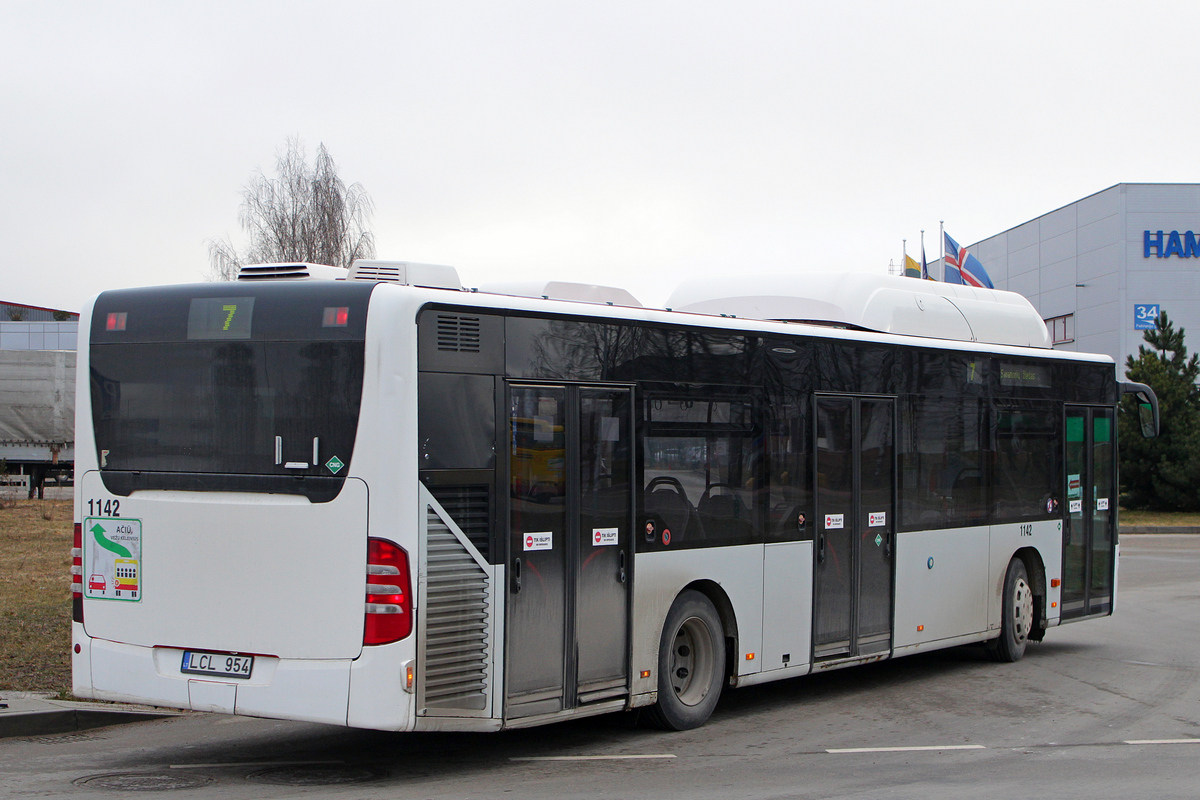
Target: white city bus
[{"x": 384, "y": 502}]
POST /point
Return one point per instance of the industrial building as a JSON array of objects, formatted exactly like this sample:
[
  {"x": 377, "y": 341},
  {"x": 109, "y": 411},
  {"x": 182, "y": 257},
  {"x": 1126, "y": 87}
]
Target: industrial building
[
  {"x": 25, "y": 327},
  {"x": 1100, "y": 269}
]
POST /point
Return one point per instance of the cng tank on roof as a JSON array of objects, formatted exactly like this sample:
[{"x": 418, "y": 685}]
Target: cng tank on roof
[{"x": 884, "y": 303}]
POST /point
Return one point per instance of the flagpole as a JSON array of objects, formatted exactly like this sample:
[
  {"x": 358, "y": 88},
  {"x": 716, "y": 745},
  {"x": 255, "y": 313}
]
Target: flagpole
[
  {"x": 942, "y": 237},
  {"x": 924, "y": 268},
  {"x": 904, "y": 257}
]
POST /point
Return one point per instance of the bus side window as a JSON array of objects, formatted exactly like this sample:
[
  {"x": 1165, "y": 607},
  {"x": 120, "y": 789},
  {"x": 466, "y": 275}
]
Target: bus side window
[
  {"x": 703, "y": 478},
  {"x": 943, "y": 474},
  {"x": 1028, "y": 461},
  {"x": 456, "y": 421},
  {"x": 789, "y": 491}
]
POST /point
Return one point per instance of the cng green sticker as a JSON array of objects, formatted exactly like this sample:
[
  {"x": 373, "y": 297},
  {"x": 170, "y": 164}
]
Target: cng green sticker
[
  {"x": 112, "y": 558},
  {"x": 335, "y": 465},
  {"x": 878, "y": 540}
]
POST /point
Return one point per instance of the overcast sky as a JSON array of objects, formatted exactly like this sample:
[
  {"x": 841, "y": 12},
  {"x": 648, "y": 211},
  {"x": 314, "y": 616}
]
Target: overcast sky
[{"x": 627, "y": 143}]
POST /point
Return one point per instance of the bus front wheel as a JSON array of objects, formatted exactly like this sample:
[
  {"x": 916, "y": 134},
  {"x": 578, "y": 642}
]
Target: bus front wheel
[
  {"x": 691, "y": 663},
  {"x": 1016, "y": 615}
]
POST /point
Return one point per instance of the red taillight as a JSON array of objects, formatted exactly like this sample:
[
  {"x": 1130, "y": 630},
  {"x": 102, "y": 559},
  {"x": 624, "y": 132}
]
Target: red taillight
[
  {"x": 389, "y": 598},
  {"x": 336, "y": 317},
  {"x": 77, "y": 574}
]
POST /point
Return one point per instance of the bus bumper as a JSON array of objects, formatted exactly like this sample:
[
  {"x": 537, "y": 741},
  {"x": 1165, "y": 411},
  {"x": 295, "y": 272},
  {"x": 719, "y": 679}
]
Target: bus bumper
[{"x": 307, "y": 690}]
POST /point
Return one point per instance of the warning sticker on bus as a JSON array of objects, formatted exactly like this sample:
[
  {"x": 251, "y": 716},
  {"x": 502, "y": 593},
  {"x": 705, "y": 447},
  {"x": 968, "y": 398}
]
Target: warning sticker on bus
[
  {"x": 539, "y": 541},
  {"x": 877, "y": 519},
  {"x": 112, "y": 558},
  {"x": 603, "y": 537},
  {"x": 833, "y": 521}
]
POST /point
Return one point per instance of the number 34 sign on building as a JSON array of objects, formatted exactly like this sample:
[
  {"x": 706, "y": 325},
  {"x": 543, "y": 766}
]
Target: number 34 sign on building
[{"x": 1145, "y": 315}]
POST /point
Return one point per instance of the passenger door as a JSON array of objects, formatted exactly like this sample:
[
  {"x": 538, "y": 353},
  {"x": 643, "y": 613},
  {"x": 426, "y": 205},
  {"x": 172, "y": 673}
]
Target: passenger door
[
  {"x": 1089, "y": 542},
  {"x": 570, "y": 528},
  {"x": 855, "y": 525}
]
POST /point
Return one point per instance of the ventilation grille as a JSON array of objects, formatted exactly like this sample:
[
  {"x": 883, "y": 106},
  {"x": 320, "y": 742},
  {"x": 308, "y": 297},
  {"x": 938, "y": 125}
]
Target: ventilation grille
[
  {"x": 458, "y": 334},
  {"x": 470, "y": 508},
  {"x": 274, "y": 272},
  {"x": 454, "y": 673},
  {"x": 296, "y": 271},
  {"x": 367, "y": 271}
]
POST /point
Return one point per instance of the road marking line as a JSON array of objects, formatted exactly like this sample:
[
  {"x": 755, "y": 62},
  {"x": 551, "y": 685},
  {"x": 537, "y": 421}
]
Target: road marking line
[
  {"x": 253, "y": 764},
  {"x": 905, "y": 749},
  {"x": 593, "y": 758},
  {"x": 1162, "y": 741}
]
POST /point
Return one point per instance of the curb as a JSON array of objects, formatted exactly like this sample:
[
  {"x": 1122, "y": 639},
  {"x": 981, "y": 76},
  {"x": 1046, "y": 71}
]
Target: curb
[{"x": 33, "y": 714}]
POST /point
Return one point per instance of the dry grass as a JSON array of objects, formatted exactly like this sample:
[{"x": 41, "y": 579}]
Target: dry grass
[
  {"x": 35, "y": 596},
  {"x": 1160, "y": 517}
]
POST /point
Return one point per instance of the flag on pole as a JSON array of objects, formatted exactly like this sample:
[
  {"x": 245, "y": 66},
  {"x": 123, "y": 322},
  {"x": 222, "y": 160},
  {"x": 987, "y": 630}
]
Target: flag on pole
[
  {"x": 911, "y": 268},
  {"x": 964, "y": 268},
  {"x": 924, "y": 264}
]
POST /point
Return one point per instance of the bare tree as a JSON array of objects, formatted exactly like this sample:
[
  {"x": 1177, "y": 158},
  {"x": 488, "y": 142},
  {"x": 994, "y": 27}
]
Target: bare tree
[{"x": 303, "y": 214}]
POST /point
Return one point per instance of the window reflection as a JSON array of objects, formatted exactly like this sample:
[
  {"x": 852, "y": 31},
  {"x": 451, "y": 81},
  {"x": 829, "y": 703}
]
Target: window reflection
[
  {"x": 217, "y": 407},
  {"x": 702, "y": 479}
]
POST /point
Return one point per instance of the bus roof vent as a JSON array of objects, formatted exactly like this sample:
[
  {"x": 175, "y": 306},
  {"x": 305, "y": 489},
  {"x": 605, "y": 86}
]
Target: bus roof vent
[
  {"x": 407, "y": 273},
  {"x": 294, "y": 271},
  {"x": 563, "y": 290},
  {"x": 866, "y": 301}
]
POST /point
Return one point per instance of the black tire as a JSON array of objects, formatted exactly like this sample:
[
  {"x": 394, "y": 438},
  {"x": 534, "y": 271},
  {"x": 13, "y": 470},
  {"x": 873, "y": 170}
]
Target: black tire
[
  {"x": 691, "y": 664},
  {"x": 1016, "y": 615}
]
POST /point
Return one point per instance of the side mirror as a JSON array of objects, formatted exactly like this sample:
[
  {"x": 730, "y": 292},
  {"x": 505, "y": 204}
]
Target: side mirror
[
  {"x": 1147, "y": 416},
  {"x": 1147, "y": 407}
]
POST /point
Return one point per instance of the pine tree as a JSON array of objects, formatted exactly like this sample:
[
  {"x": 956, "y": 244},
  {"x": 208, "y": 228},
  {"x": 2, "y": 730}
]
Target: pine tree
[{"x": 1163, "y": 473}]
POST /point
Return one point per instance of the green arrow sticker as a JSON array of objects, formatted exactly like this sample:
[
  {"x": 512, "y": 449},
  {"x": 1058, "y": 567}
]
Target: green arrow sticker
[
  {"x": 98, "y": 532},
  {"x": 335, "y": 465}
]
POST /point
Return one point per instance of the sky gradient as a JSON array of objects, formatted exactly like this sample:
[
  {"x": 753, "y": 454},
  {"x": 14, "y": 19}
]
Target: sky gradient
[{"x": 627, "y": 143}]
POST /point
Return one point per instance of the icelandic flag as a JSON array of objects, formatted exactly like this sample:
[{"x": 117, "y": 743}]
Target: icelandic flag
[{"x": 962, "y": 267}]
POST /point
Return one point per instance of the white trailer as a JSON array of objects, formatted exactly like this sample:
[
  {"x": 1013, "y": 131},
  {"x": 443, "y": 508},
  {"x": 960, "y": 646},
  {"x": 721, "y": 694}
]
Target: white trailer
[{"x": 37, "y": 413}]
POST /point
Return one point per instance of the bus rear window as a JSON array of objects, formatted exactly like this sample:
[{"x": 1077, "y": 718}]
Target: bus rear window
[{"x": 213, "y": 405}]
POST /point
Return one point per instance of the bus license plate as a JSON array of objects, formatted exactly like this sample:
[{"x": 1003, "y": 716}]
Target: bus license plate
[{"x": 221, "y": 665}]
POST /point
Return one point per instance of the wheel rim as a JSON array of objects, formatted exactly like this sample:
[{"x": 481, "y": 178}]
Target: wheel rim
[
  {"x": 692, "y": 661},
  {"x": 1022, "y": 610}
]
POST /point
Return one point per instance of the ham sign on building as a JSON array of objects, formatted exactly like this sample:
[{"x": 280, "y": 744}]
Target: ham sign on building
[{"x": 1165, "y": 245}]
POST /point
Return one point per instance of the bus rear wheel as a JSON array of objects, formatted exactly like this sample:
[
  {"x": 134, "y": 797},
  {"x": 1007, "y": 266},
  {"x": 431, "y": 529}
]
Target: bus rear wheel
[
  {"x": 691, "y": 663},
  {"x": 1016, "y": 620}
]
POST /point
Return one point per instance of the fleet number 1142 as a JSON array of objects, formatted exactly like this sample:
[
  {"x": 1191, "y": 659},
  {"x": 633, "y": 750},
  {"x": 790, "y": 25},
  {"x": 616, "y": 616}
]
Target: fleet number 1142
[{"x": 104, "y": 508}]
